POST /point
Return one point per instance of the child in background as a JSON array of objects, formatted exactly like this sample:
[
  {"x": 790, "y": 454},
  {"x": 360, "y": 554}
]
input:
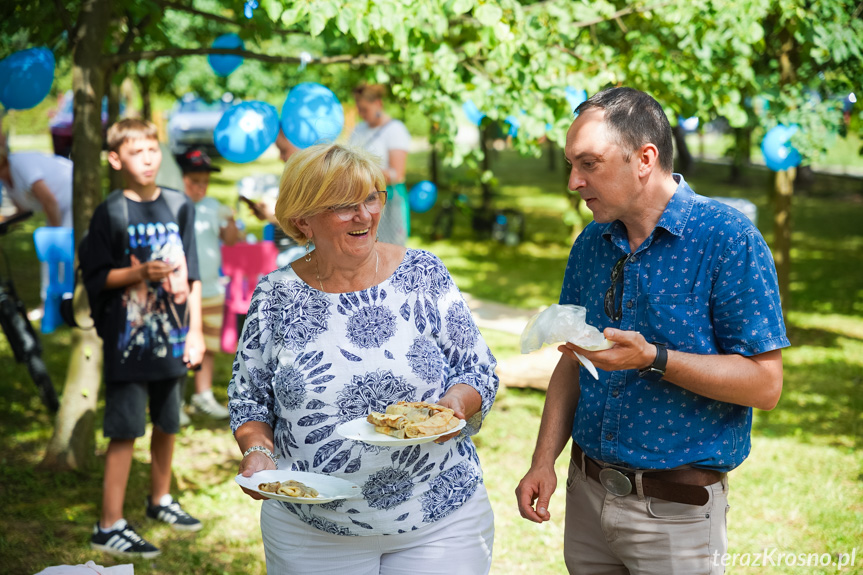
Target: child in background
[
  {"x": 214, "y": 222},
  {"x": 143, "y": 280}
]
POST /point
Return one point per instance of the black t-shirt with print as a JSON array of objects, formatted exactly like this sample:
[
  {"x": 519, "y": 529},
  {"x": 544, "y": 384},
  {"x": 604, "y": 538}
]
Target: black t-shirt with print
[{"x": 145, "y": 324}]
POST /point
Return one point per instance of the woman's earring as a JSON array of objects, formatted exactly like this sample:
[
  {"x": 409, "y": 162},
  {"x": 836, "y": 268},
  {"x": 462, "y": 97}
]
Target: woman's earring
[{"x": 308, "y": 257}]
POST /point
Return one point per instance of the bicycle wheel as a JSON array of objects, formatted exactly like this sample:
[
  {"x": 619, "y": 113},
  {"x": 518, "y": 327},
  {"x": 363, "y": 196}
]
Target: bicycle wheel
[{"x": 43, "y": 382}]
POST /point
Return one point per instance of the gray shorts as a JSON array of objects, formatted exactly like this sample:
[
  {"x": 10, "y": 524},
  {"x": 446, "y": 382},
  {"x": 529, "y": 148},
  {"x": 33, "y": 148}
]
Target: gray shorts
[{"x": 126, "y": 406}]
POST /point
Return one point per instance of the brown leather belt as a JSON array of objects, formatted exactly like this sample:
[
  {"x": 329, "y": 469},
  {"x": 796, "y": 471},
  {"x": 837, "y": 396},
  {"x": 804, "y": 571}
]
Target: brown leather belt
[{"x": 678, "y": 485}]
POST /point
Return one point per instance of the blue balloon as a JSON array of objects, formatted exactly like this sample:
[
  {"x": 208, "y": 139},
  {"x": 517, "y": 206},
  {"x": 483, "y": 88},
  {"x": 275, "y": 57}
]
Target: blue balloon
[
  {"x": 422, "y": 196},
  {"x": 778, "y": 153},
  {"x": 474, "y": 114},
  {"x": 223, "y": 65},
  {"x": 26, "y": 78},
  {"x": 245, "y": 131},
  {"x": 574, "y": 97},
  {"x": 311, "y": 115}
]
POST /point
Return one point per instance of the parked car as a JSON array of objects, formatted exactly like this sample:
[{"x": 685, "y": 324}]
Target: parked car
[
  {"x": 192, "y": 121},
  {"x": 60, "y": 124}
]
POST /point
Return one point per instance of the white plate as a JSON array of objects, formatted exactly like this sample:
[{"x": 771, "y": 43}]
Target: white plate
[
  {"x": 329, "y": 488},
  {"x": 361, "y": 430}
]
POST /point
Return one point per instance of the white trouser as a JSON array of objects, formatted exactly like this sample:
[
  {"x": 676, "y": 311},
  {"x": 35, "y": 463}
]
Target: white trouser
[{"x": 459, "y": 544}]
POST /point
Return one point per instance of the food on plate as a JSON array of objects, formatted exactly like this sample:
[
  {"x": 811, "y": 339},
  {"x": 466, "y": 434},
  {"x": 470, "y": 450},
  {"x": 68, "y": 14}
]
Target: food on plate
[
  {"x": 290, "y": 488},
  {"x": 411, "y": 419}
]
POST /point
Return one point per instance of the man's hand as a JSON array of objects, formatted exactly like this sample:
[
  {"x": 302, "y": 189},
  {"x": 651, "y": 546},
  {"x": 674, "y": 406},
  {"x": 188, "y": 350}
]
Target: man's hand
[
  {"x": 534, "y": 492},
  {"x": 630, "y": 351}
]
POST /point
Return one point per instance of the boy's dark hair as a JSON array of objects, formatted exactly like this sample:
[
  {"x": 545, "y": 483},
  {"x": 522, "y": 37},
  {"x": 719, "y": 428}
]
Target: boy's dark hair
[
  {"x": 635, "y": 119},
  {"x": 130, "y": 129}
]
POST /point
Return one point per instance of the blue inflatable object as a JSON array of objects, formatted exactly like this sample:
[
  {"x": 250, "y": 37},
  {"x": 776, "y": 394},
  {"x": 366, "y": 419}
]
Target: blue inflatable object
[
  {"x": 26, "y": 78},
  {"x": 574, "y": 97},
  {"x": 245, "y": 131},
  {"x": 311, "y": 115},
  {"x": 778, "y": 153},
  {"x": 223, "y": 65},
  {"x": 422, "y": 196},
  {"x": 474, "y": 114}
]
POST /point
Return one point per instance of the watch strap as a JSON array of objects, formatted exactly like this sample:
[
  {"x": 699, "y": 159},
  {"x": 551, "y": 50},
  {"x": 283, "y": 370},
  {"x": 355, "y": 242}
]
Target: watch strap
[{"x": 656, "y": 370}]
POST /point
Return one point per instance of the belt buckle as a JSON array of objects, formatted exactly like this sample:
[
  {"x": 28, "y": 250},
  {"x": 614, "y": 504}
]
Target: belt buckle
[{"x": 615, "y": 482}]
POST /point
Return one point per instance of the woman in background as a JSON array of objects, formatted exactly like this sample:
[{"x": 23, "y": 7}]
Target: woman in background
[{"x": 389, "y": 140}]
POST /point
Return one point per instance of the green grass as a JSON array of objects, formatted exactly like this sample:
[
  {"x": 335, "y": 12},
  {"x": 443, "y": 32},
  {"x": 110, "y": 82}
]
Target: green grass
[{"x": 801, "y": 490}]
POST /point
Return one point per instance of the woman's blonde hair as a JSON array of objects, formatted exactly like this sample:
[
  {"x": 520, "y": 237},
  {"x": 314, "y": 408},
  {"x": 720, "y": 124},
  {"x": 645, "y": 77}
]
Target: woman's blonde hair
[
  {"x": 323, "y": 176},
  {"x": 130, "y": 129}
]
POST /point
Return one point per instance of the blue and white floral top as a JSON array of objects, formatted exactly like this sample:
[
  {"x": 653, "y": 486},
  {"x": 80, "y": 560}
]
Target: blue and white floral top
[{"x": 309, "y": 361}]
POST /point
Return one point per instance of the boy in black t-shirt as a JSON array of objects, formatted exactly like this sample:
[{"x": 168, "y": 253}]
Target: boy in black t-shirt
[{"x": 145, "y": 276}]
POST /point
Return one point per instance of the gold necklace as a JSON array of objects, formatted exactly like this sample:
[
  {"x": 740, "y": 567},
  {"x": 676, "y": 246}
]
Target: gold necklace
[{"x": 374, "y": 279}]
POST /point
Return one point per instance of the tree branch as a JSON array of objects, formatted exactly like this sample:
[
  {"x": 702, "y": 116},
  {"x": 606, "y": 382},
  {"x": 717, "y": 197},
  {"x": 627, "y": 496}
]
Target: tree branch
[
  {"x": 168, "y": 4},
  {"x": 362, "y": 60}
]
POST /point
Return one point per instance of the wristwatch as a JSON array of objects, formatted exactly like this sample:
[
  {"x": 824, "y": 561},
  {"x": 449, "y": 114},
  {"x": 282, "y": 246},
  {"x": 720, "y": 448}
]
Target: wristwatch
[{"x": 656, "y": 370}]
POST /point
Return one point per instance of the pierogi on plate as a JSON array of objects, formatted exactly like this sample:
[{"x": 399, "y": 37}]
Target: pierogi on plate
[{"x": 409, "y": 419}]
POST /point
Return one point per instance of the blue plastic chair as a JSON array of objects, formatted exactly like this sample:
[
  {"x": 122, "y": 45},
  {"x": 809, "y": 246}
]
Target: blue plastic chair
[{"x": 56, "y": 247}]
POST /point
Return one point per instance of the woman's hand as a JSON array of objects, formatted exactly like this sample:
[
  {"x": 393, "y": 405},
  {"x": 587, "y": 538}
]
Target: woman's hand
[
  {"x": 465, "y": 402},
  {"x": 251, "y": 464}
]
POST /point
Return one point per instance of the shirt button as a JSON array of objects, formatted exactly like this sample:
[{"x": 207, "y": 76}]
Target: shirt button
[
  {"x": 609, "y": 436},
  {"x": 615, "y": 393},
  {"x": 629, "y": 304}
]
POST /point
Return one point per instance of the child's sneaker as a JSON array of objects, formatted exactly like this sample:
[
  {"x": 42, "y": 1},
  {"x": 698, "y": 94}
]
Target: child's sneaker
[
  {"x": 206, "y": 404},
  {"x": 169, "y": 511},
  {"x": 122, "y": 540}
]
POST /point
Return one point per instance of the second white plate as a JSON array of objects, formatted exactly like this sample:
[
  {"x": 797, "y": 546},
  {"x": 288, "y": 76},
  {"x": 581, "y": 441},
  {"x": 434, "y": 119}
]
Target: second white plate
[
  {"x": 361, "y": 430},
  {"x": 329, "y": 488}
]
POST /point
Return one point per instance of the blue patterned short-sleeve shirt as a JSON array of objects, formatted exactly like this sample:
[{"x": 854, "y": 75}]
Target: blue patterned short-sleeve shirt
[
  {"x": 703, "y": 282},
  {"x": 309, "y": 361}
]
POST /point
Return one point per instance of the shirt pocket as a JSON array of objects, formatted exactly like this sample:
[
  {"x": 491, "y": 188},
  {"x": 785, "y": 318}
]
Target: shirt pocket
[{"x": 672, "y": 319}]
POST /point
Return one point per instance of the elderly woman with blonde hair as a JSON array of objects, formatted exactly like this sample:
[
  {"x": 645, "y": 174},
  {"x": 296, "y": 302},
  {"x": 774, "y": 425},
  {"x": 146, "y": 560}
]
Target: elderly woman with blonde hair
[{"x": 352, "y": 327}]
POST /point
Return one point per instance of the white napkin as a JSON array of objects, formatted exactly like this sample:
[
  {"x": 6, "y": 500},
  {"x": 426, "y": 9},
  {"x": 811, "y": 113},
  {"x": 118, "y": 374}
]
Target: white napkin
[{"x": 566, "y": 323}]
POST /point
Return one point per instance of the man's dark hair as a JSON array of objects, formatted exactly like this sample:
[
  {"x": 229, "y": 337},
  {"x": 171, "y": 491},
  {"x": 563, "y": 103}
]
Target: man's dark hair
[{"x": 635, "y": 119}]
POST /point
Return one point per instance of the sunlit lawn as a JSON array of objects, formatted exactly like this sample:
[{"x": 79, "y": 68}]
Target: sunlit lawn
[{"x": 801, "y": 491}]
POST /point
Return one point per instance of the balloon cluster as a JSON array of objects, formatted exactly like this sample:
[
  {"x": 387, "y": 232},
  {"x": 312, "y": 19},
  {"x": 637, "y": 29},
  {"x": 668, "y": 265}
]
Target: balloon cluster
[
  {"x": 26, "y": 78},
  {"x": 778, "y": 152}
]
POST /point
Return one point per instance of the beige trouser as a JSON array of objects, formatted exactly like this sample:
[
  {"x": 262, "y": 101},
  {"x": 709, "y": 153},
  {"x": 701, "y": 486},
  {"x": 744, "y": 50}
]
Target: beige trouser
[{"x": 610, "y": 535}]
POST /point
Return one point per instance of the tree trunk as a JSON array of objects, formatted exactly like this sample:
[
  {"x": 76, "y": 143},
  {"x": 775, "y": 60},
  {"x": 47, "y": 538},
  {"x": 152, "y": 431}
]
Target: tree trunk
[
  {"x": 72, "y": 443},
  {"x": 146, "y": 103},
  {"x": 685, "y": 161},
  {"x": 71, "y": 446},
  {"x": 741, "y": 154},
  {"x": 485, "y": 164},
  {"x": 782, "y": 233},
  {"x": 433, "y": 163},
  {"x": 115, "y": 178}
]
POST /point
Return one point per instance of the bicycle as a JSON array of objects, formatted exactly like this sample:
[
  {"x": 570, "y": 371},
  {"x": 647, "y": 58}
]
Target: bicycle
[
  {"x": 505, "y": 226},
  {"x": 25, "y": 343}
]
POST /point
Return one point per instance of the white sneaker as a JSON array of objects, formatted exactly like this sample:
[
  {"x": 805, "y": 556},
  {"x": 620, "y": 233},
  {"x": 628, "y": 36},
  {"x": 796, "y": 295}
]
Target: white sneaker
[{"x": 206, "y": 404}]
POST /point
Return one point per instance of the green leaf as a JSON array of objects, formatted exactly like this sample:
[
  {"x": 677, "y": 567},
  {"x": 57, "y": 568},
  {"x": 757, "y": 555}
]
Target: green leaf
[
  {"x": 488, "y": 14},
  {"x": 317, "y": 23},
  {"x": 462, "y": 6}
]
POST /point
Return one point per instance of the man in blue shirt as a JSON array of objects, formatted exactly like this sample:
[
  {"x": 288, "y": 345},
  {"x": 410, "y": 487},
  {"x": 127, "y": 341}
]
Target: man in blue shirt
[{"x": 685, "y": 287}]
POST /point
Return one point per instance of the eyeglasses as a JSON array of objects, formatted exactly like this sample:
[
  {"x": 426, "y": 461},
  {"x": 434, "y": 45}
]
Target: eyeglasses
[
  {"x": 615, "y": 312},
  {"x": 374, "y": 203}
]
